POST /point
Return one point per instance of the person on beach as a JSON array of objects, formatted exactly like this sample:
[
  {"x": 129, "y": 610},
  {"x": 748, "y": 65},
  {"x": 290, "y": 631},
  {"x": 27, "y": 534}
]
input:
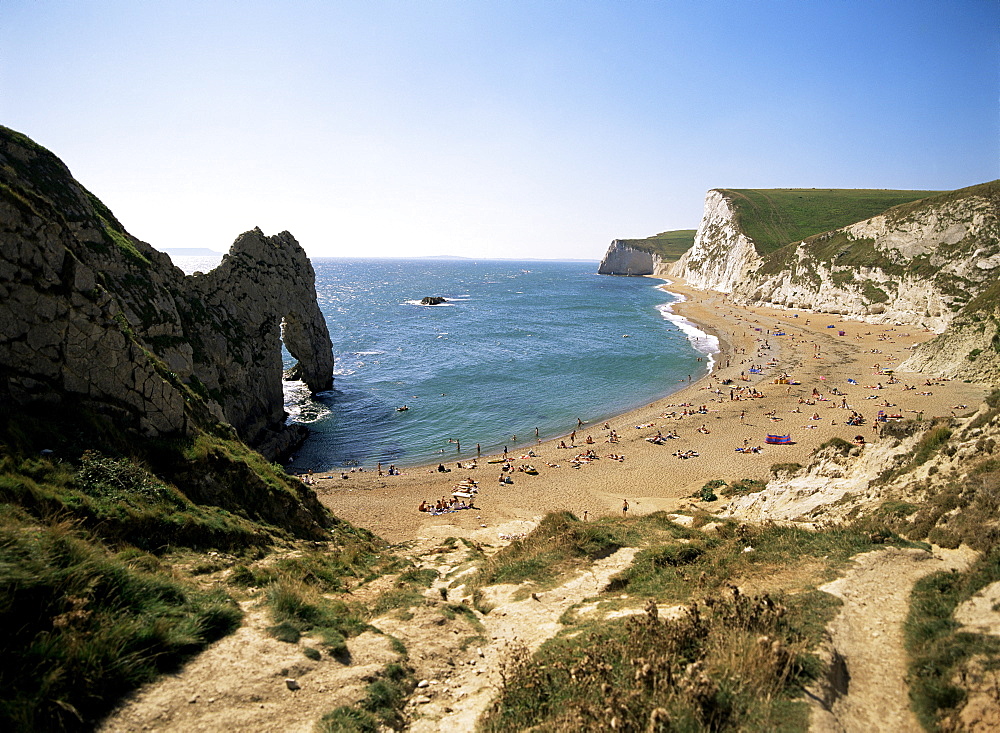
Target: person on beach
[
  {"x": 624, "y": 507},
  {"x": 478, "y": 452}
]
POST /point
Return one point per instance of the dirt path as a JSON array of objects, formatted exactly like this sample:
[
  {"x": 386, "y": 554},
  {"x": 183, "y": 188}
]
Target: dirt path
[
  {"x": 241, "y": 682},
  {"x": 866, "y": 686},
  {"x": 461, "y": 683}
]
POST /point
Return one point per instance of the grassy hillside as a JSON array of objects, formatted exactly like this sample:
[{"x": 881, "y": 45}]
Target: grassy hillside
[
  {"x": 840, "y": 249},
  {"x": 101, "y": 539},
  {"x": 774, "y": 217},
  {"x": 669, "y": 246}
]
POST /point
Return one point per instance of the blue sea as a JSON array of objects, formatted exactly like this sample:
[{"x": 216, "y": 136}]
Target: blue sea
[{"x": 518, "y": 346}]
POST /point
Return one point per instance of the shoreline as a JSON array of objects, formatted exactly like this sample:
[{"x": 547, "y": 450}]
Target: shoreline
[{"x": 651, "y": 477}]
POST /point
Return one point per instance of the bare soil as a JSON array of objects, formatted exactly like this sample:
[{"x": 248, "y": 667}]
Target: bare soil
[{"x": 866, "y": 686}]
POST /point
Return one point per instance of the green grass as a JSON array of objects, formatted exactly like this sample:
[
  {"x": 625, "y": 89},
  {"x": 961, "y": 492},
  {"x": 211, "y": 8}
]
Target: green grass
[
  {"x": 678, "y": 571},
  {"x": 775, "y": 217},
  {"x": 560, "y": 542},
  {"x": 385, "y": 697},
  {"x": 734, "y": 663},
  {"x": 669, "y": 246},
  {"x": 731, "y": 662},
  {"x": 85, "y": 626},
  {"x": 938, "y": 650}
]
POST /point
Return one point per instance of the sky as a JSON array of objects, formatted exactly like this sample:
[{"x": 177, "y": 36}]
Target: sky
[{"x": 502, "y": 128}]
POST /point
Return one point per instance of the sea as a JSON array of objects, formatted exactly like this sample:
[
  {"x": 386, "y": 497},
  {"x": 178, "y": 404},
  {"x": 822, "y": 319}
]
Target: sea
[{"x": 518, "y": 349}]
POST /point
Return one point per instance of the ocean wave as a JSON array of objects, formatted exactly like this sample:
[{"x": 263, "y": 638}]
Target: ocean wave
[
  {"x": 703, "y": 342},
  {"x": 300, "y": 405}
]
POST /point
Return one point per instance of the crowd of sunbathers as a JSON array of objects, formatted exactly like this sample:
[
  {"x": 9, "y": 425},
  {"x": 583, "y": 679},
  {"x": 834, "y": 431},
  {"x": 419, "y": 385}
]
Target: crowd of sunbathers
[
  {"x": 444, "y": 506},
  {"x": 660, "y": 438}
]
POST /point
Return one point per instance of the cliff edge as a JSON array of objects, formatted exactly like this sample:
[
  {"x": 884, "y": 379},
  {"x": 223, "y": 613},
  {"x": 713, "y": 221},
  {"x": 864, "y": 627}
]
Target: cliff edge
[
  {"x": 95, "y": 318},
  {"x": 917, "y": 262}
]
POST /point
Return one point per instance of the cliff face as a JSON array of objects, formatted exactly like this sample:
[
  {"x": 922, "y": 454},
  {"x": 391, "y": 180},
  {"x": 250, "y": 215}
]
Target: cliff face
[
  {"x": 622, "y": 259},
  {"x": 92, "y": 316},
  {"x": 969, "y": 348},
  {"x": 916, "y": 263},
  {"x": 722, "y": 255}
]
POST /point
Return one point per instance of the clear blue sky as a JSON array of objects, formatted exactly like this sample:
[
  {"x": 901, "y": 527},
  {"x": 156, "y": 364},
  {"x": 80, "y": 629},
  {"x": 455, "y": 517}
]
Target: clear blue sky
[{"x": 506, "y": 129}]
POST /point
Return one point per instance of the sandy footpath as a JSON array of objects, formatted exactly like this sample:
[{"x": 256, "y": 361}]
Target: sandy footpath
[{"x": 652, "y": 477}]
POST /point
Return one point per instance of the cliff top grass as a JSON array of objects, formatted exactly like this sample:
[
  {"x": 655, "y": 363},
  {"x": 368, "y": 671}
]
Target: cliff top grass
[
  {"x": 669, "y": 246},
  {"x": 775, "y": 217}
]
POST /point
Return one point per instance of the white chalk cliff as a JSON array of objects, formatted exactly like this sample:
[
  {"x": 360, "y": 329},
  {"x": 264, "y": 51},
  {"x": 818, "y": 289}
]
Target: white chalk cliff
[{"x": 917, "y": 263}]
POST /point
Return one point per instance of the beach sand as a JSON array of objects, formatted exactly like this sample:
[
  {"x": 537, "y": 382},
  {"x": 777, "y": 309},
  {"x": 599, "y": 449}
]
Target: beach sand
[{"x": 651, "y": 477}]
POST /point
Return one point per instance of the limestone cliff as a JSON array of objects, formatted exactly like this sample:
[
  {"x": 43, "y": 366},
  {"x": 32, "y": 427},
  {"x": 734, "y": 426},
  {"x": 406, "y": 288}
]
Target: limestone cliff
[
  {"x": 648, "y": 256},
  {"x": 915, "y": 263},
  {"x": 622, "y": 259},
  {"x": 93, "y": 317},
  {"x": 722, "y": 254},
  {"x": 969, "y": 348}
]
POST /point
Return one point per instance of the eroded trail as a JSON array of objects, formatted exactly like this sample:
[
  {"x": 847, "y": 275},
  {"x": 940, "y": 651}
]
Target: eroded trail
[
  {"x": 239, "y": 683},
  {"x": 465, "y": 681},
  {"x": 458, "y": 654},
  {"x": 866, "y": 686}
]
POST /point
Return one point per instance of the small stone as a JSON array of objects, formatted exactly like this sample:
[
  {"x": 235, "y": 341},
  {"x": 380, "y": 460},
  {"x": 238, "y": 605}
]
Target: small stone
[
  {"x": 292, "y": 684},
  {"x": 422, "y": 700},
  {"x": 193, "y": 699},
  {"x": 423, "y": 683}
]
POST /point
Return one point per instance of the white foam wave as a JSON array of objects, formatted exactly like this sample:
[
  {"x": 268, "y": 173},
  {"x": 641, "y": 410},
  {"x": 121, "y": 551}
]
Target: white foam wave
[
  {"x": 704, "y": 342},
  {"x": 300, "y": 405}
]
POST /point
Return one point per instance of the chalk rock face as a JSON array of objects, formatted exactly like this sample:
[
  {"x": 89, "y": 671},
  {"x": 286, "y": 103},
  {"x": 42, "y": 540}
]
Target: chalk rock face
[
  {"x": 969, "y": 348},
  {"x": 722, "y": 254},
  {"x": 916, "y": 263},
  {"x": 621, "y": 259},
  {"x": 92, "y": 318}
]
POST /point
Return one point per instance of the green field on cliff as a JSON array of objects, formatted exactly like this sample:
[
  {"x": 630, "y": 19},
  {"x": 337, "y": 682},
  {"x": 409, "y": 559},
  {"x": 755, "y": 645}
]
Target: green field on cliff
[
  {"x": 775, "y": 217},
  {"x": 668, "y": 245}
]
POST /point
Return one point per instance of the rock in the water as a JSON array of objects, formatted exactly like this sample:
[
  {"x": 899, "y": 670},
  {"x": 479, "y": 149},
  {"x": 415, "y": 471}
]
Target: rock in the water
[{"x": 432, "y": 300}]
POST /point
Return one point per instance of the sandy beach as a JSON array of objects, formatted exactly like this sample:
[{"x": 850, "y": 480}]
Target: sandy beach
[{"x": 735, "y": 406}]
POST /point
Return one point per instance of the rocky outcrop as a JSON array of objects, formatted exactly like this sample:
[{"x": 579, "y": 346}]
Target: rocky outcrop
[
  {"x": 621, "y": 259},
  {"x": 722, "y": 255},
  {"x": 969, "y": 348},
  {"x": 92, "y": 317},
  {"x": 917, "y": 263},
  {"x": 432, "y": 300}
]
